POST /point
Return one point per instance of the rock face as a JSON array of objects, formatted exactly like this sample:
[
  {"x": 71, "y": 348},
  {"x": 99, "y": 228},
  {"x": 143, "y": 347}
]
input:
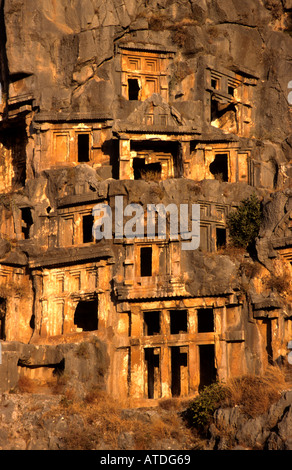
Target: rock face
[
  {"x": 122, "y": 105},
  {"x": 269, "y": 431},
  {"x": 51, "y": 422},
  {"x": 42, "y": 422}
]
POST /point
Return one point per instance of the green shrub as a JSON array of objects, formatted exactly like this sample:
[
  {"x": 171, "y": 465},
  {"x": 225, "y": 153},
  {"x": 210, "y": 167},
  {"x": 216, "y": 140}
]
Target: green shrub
[
  {"x": 200, "y": 412},
  {"x": 244, "y": 223}
]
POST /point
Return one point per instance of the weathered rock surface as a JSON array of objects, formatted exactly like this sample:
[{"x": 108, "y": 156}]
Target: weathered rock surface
[
  {"x": 39, "y": 422},
  {"x": 74, "y": 46},
  {"x": 218, "y": 88},
  {"x": 270, "y": 431},
  {"x": 81, "y": 365}
]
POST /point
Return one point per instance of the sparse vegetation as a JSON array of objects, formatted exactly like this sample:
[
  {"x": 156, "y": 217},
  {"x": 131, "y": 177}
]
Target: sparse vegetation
[
  {"x": 96, "y": 421},
  {"x": 234, "y": 252},
  {"x": 83, "y": 351},
  {"x": 157, "y": 21},
  {"x": 26, "y": 385},
  {"x": 110, "y": 424},
  {"x": 200, "y": 412},
  {"x": 150, "y": 175},
  {"x": 280, "y": 283},
  {"x": 254, "y": 395},
  {"x": 244, "y": 223},
  {"x": 250, "y": 269}
]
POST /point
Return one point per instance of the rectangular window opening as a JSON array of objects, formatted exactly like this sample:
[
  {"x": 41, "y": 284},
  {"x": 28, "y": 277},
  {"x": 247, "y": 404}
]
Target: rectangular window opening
[
  {"x": 146, "y": 261},
  {"x": 86, "y": 315},
  {"x": 205, "y": 320},
  {"x": 150, "y": 171},
  {"x": 152, "y": 323},
  {"x": 219, "y": 167},
  {"x": 87, "y": 224},
  {"x": 178, "y": 321},
  {"x": 179, "y": 371},
  {"x": 83, "y": 147},
  {"x": 2, "y": 319},
  {"x": 133, "y": 89},
  {"x": 26, "y": 222},
  {"x": 138, "y": 167},
  {"x": 152, "y": 361},
  {"x": 220, "y": 237},
  {"x": 268, "y": 324},
  {"x": 214, "y": 83},
  {"x": 208, "y": 372},
  {"x": 231, "y": 90}
]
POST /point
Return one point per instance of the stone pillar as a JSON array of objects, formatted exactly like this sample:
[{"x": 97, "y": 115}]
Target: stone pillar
[
  {"x": 129, "y": 263},
  {"x": 175, "y": 258},
  {"x": 104, "y": 302},
  {"x": 194, "y": 372},
  {"x": 137, "y": 370},
  {"x": 38, "y": 305},
  {"x": 137, "y": 359},
  {"x": 221, "y": 353},
  {"x": 165, "y": 372},
  {"x": 126, "y": 170},
  {"x": 186, "y": 158},
  {"x": 242, "y": 167},
  {"x": 119, "y": 369}
]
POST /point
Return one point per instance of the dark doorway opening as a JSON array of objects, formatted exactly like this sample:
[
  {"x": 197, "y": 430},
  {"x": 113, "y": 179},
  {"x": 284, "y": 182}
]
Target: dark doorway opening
[
  {"x": 219, "y": 167},
  {"x": 87, "y": 224},
  {"x": 15, "y": 140},
  {"x": 111, "y": 149},
  {"x": 151, "y": 323},
  {"x": 145, "y": 171},
  {"x": 26, "y": 222},
  {"x": 230, "y": 90},
  {"x": 86, "y": 315},
  {"x": 220, "y": 238},
  {"x": 179, "y": 361},
  {"x": 59, "y": 368},
  {"x": 2, "y": 319},
  {"x": 32, "y": 322},
  {"x": 138, "y": 167},
  {"x": 208, "y": 371},
  {"x": 146, "y": 261},
  {"x": 160, "y": 149},
  {"x": 218, "y": 110},
  {"x": 215, "y": 83},
  {"x": 205, "y": 320},
  {"x": 178, "y": 321},
  {"x": 268, "y": 323},
  {"x": 83, "y": 147},
  {"x": 153, "y": 372},
  {"x": 133, "y": 89}
]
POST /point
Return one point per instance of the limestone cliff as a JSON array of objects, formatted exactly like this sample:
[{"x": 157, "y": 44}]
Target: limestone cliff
[{"x": 157, "y": 102}]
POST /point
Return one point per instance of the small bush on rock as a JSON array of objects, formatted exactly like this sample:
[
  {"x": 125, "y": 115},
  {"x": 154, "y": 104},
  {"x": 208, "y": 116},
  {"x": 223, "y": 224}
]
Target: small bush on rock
[
  {"x": 244, "y": 223},
  {"x": 200, "y": 412}
]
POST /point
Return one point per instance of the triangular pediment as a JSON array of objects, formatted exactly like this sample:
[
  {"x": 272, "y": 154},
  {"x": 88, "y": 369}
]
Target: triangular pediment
[{"x": 155, "y": 115}]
